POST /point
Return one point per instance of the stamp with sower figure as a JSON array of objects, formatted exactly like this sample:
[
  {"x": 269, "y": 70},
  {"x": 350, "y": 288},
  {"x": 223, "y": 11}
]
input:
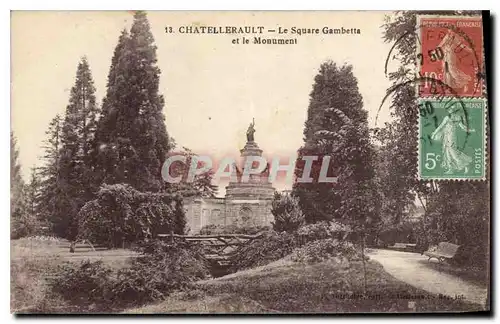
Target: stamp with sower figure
[
  {"x": 450, "y": 56},
  {"x": 452, "y": 140},
  {"x": 451, "y": 104}
]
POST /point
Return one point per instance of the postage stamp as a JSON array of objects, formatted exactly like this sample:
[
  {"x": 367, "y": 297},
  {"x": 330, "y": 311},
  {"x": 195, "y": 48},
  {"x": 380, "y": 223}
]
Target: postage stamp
[
  {"x": 450, "y": 56},
  {"x": 452, "y": 138}
]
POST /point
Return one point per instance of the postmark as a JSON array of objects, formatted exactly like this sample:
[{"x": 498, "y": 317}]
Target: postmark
[
  {"x": 452, "y": 143},
  {"x": 450, "y": 49}
]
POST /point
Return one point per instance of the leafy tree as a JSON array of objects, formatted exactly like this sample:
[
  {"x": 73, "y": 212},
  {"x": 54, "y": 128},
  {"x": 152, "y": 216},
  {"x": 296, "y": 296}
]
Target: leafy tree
[
  {"x": 135, "y": 145},
  {"x": 74, "y": 166},
  {"x": 120, "y": 214},
  {"x": 454, "y": 211},
  {"x": 337, "y": 128},
  {"x": 286, "y": 211},
  {"x": 201, "y": 186}
]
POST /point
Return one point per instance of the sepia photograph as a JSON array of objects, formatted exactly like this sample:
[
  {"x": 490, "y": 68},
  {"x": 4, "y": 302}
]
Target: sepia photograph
[{"x": 250, "y": 162}]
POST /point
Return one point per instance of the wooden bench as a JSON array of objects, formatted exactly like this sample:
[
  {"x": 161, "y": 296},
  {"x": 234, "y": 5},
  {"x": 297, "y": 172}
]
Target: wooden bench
[
  {"x": 409, "y": 247},
  {"x": 399, "y": 246},
  {"x": 443, "y": 251}
]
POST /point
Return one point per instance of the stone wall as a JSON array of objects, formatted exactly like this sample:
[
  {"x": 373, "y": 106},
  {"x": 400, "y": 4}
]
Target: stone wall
[{"x": 219, "y": 211}]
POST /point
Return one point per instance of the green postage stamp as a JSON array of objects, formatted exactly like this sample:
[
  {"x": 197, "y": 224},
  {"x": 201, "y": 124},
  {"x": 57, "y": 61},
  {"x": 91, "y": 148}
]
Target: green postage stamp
[{"x": 452, "y": 141}]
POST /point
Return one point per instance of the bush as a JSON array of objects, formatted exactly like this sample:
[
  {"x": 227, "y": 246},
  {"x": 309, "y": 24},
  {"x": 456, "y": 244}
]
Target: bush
[
  {"x": 288, "y": 216},
  {"x": 22, "y": 224},
  {"x": 161, "y": 269},
  {"x": 270, "y": 247},
  {"x": 323, "y": 230},
  {"x": 28, "y": 284},
  {"x": 232, "y": 229},
  {"x": 45, "y": 238},
  {"x": 274, "y": 245},
  {"x": 324, "y": 249},
  {"x": 122, "y": 214},
  {"x": 402, "y": 232},
  {"x": 83, "y": 284}
]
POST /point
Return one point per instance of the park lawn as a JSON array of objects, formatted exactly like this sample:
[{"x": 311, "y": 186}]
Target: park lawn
[
  {"x": 33, "y": 261},
  {"x": 474, "y": 274},
  {"x": 279, "y": 287},
  {"x": 286, "y": 287}
]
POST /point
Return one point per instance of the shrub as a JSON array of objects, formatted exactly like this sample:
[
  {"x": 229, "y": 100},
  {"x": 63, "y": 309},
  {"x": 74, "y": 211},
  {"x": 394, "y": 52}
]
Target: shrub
[
  {"x": 83, "y": 284},
  {"x": 324, "y": 249},
  {"x": 232, "y": 229},
  {"x": 288, "y": 216},
  {"x": 160, "y": 269},
  {"x": 404, "y": 231},
  {"x": 22, "y": 224},
  {"x": 270, "y": 247},
  {"x": 45, "y": 238},
  {"x": 323, "y": 230},
  {"x": 122, "y": 214},
  {"x": 28, "y": 284}
]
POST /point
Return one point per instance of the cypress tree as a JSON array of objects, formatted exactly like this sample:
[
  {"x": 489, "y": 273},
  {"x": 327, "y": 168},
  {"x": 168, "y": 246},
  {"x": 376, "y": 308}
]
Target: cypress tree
[
  {"x": 33, "y": 200},
  {"x": 74, "y": 164},
  {"x": 105, "y": 148},
  {"x": 133, "y": 140},
  {"x": 16, "y": 180},
  {"x": 50, "y": 192},
  {"x": 337, "y": 127},
  {"x": 17, "y": 210}
]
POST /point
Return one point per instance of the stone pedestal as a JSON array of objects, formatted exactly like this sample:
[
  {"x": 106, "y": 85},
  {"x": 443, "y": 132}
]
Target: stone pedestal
[
  {"x": 246, "y": 203},
  {"x": 257, "y": 187},
  {"x": 251, "y": 149}
]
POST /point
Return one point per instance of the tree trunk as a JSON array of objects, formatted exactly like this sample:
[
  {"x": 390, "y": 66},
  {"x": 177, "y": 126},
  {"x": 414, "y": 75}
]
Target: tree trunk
[{"x": 364, "y": 263}]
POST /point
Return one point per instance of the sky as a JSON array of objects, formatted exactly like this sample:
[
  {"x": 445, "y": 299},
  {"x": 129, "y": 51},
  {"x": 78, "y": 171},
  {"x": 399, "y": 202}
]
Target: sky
[{"x": 212, "y": 88}]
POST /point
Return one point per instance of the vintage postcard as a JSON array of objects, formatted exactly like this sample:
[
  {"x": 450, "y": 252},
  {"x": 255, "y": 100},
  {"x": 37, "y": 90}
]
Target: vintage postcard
[{"x": 250, "y": 162}]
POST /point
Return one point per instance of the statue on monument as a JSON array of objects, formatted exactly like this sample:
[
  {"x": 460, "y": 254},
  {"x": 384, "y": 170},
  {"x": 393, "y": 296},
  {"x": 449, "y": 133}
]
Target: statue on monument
[{"x": 251, "y": 131}]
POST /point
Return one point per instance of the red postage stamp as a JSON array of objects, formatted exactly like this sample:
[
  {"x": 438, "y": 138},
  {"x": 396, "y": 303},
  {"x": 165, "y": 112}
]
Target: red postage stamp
[{"x": 450, "y": 56}]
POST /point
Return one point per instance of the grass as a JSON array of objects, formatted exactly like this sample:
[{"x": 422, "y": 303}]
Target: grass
[
  {"x": 32, "y": 262},
  {"x": 279, "y": 287},
  {"x": 475, "y": 275},
  {"x": 286, "y": 287}
]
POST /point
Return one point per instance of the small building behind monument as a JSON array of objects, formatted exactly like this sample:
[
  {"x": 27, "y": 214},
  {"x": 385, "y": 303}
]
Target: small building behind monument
[{"x": 245, "y": 204}]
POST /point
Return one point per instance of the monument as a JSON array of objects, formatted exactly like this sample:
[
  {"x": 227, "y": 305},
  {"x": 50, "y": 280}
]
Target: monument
[
  {"x": 258, "y": 186},
  {"x": 245, "y": 203}
]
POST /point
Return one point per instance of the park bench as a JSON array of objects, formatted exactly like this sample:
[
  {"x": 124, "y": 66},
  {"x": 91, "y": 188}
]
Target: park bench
[
  {"x": 443, "y": 251},
  {"x": 410, "y": 247}
]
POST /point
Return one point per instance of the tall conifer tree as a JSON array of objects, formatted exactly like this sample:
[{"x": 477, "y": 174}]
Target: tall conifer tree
[
  {"x": 133, "y": 139},
  {"x": 74, "y": 165},
  {"x": 50, "y": 191},
  {"x": 337, "y": 127},
  {"x": 32, "y": 198},
  {"x": 16, "y": 180},
  {"x": 106, "y": 148},
  {"x": 17, "y": 208}
]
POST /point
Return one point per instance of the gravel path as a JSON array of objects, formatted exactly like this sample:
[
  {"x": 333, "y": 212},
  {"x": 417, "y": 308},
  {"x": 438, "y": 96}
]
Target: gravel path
[{"x": 411, "y": 268}]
